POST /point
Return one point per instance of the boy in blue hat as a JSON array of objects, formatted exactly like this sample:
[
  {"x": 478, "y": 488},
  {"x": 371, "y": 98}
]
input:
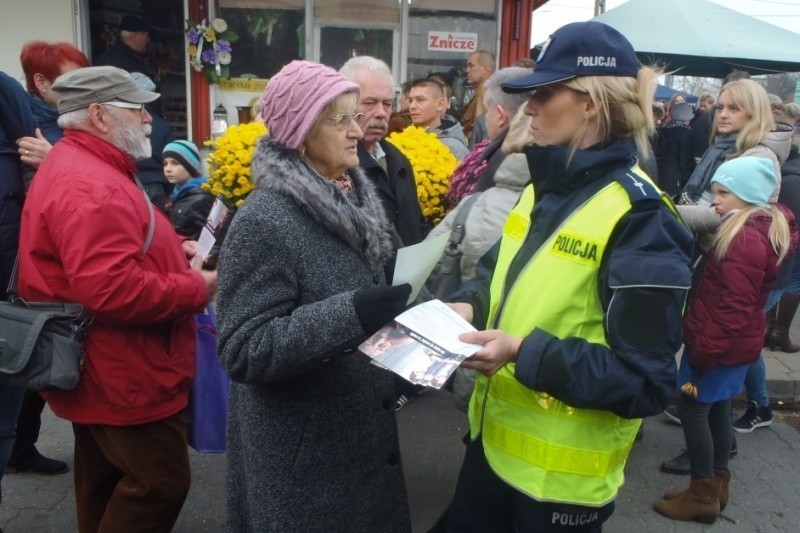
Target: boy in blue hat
[{"x": 190, "y": 203}]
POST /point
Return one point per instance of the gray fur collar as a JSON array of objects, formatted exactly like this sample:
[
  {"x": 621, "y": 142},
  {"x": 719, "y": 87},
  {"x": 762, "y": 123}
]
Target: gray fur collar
[{"x": 358, "y": 220}]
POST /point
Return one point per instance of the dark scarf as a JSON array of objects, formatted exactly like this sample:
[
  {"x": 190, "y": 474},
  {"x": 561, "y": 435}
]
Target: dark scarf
[{"x": 700, "y": 180}]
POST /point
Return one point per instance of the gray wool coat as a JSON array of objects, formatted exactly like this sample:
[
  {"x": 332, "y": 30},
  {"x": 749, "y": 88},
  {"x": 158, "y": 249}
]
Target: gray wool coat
[{"x": 312, "y": 437}]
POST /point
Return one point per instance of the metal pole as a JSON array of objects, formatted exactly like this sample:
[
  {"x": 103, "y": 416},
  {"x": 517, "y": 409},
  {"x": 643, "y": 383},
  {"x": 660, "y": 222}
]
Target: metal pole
[{"x": 599, "y": 7}]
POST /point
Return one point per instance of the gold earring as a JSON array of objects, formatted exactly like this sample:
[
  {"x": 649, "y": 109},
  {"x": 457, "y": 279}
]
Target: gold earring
[{"x": 302, "y": 151}]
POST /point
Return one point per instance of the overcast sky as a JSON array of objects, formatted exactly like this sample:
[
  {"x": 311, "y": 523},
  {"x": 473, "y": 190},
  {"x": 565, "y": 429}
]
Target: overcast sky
[{"x": 556, "y": 13}]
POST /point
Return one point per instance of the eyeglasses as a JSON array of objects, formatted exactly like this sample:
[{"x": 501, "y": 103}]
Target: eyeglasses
[
  {"x": 342, "y": 122},
  {"x": 124, "y": 105}
]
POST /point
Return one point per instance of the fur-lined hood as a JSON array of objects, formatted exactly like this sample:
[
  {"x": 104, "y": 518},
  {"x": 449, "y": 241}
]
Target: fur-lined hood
[{"x": 357, "y": 219}]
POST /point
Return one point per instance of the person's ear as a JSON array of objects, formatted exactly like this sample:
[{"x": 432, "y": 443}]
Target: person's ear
[
  {"x": 591, "y": 109},
  {"x": 504, "y": 115},
  {"x": 42, "y": 84},
  {"x": 98, "y": 117}
]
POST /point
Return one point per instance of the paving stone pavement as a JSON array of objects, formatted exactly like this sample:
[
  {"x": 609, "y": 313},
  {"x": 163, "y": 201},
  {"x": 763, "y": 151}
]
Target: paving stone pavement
[{"x": 765, "y": 490}]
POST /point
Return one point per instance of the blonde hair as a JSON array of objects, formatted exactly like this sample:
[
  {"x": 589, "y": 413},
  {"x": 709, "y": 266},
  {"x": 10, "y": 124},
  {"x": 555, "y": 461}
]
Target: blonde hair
[
  {"x": 752, "y": 99},
  {"x": 778, "y": 230},
  {"x": 625, "y": 107}
]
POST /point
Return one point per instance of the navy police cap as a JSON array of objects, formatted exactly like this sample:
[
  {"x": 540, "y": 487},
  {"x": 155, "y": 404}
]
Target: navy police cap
[{"x": 579, "y": 49}]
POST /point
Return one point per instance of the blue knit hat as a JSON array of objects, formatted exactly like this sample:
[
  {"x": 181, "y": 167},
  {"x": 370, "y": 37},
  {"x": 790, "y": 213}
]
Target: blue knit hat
[
  {"x": 752, "y": 179},
  {"x": 185, "y": 153}
]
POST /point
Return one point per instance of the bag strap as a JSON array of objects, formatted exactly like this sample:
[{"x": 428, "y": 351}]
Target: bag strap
[
  {"x": 459, "y": 224},
  {"x": 13, "y": 282}
]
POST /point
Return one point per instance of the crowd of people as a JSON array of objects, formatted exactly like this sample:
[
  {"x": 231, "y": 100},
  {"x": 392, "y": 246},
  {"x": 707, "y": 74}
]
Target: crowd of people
[{"x": 589, "y": 221}]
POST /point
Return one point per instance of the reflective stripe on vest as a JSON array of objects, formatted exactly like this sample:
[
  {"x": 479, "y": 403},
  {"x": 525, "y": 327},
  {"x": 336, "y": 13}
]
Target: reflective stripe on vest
[{"x": 536, "y": 443}]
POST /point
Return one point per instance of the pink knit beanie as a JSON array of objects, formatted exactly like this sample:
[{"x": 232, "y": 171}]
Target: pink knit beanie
[{"x": 295, "y": 97}]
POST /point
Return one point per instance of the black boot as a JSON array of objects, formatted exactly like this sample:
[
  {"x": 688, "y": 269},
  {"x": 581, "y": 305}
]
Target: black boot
[
  {"x": 786, "y": 309},
  {"x": 770, "y": 329},
  {"x": 34, "y": 462}
]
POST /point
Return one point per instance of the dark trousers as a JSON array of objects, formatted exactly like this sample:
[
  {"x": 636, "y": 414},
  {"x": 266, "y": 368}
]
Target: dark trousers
[
  {"x": 483, "y": 502},
  {"x": 131, "y": 478},
  {"x": 29, "y": 422},
  {"x": 708, "y": 433}
]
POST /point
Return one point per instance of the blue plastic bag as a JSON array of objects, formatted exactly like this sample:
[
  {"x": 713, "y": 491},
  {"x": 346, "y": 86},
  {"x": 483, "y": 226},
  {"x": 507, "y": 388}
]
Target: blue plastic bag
[{"x": 208, "y": 398}]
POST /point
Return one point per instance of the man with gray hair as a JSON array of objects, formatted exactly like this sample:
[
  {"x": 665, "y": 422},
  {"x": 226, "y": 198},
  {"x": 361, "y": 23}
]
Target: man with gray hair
[
  {"x": 388, "y": 169},
  {"x": 89, "y": 235},
  {"x": 480, "y": 65}
]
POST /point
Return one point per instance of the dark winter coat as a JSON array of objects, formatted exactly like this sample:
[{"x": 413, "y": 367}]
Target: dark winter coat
[
  {"x": 789, "y": 197},
  {"x": 189, "y": 210},
  {"x": 397, "y": 191},
  {"x": 312, "y": 440},
  {"x": 16, "y": 120},
  {"x": 123, "y": 56},
  {"x": 673, "y": 152},
  {"x": 725, "y": 323}
]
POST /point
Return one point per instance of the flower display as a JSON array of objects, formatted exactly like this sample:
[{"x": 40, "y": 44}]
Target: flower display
[
  {"x": 209, "y": 47},
  {"x": 432, "y": 162},
  {"x": 229, "y": 163},
  {"x": 465, "y": 177}
]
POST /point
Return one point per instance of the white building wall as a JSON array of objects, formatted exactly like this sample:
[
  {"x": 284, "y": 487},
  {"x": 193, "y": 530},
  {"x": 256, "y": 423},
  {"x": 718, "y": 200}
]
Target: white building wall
[{"x": 27, "y": 20}]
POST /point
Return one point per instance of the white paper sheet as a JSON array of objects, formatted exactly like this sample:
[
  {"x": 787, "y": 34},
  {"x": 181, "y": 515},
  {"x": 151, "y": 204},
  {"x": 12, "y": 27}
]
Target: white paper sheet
[{"x": 415, "y": 263}]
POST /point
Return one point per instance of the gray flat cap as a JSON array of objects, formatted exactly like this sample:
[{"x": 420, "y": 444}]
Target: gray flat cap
[{"x": 79, "y": 88}]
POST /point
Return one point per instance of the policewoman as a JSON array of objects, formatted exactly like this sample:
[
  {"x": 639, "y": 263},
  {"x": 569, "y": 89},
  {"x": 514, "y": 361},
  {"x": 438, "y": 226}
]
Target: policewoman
[{"x": 580, "y": 301}]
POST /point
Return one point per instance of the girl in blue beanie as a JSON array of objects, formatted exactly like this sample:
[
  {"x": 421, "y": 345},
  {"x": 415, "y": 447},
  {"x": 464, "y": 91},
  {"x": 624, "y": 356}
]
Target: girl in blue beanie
[{"x": 724, "y": 327}]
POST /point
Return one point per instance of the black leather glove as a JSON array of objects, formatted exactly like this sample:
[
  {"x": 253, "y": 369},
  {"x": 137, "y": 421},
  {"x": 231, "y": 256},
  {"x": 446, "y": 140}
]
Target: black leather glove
[{"x": 377, "y": 306}]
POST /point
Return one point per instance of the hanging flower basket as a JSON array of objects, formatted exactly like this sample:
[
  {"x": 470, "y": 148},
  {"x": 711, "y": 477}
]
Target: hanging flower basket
[{"x": 209, "y": 47}]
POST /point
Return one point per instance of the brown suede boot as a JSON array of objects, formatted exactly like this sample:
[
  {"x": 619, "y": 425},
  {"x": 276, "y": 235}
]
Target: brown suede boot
[
  {"x": 779, "y": 338},
  {"x": 724, "y": 477},
  {"x": 700, "y": 502}
]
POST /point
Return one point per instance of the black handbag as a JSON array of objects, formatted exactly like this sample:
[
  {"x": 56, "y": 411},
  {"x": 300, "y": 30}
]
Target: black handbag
[
  {"x": 41, "y": 343},
  {"x": 448, "y": 278}
]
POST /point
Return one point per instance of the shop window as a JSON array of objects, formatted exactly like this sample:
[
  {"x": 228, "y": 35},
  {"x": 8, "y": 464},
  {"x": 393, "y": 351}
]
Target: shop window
[
  {"x": 271, "y": 34},
  {"x": 442, "y": 34}
]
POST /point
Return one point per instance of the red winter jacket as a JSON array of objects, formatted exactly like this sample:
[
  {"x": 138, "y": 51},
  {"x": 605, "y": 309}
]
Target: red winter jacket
[
  {"x": 725, "y": 323},
  {"x": 83, "y": 230}
]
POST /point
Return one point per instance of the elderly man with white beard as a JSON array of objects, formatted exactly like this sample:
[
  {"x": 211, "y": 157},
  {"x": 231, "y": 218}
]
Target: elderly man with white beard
[
  {"x": 89, "y": 235},
  {"x": 388, "y": 169}
]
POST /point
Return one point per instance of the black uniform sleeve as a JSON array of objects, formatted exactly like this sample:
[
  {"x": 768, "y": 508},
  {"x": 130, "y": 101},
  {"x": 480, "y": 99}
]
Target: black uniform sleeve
[{"x": 644, "y": 281}]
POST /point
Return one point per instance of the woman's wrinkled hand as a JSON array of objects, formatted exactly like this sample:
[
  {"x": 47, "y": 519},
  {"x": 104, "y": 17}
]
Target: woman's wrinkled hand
[
  {"x": 32, "y": 150},
  {"x": 498, "y": 349}
]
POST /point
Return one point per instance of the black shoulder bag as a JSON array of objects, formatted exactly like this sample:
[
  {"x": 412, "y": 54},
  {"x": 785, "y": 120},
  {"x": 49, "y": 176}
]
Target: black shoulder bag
[{"x": 448, "y": 279}]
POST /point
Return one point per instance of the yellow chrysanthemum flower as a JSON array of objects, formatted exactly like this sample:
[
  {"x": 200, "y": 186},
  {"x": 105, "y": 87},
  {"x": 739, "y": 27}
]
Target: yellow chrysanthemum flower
[
  {"x": 229, "y": 163},
  {"x": 432, "y": 162}
]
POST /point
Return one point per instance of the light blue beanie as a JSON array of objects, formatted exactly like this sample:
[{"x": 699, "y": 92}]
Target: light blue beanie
[
  {"x": 752, "y": 179},
  {"x": 187, "y": 154}
]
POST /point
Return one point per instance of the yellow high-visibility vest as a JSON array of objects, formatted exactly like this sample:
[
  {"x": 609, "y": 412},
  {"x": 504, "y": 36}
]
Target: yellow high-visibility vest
[{"x": 536, "y": 443}]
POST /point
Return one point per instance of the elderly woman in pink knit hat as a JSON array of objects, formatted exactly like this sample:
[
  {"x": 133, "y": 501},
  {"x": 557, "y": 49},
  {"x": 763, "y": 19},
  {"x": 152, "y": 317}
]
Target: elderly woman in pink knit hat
[{"x": 312, "y": 440}]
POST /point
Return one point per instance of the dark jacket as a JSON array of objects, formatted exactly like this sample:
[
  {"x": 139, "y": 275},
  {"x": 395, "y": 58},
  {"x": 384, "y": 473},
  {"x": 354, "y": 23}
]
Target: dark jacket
[
  {"x": 673, "y": 152},
  {"x": 16, "y": 121},
  {"x": 725, "y": 323},
  {"x": 46, "y": 118},
  {"x": 645, "y": 271},
  {"x": 123, "y": 56},
  {"x": 789, "y": 197},
  {"x": 701, "y": 133},
  {"x": 397, "y": 191},
  {"x": 312, "y": 437},
  {"x": 190, "y": 208},
  {"x": 151, "y": 170}
]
